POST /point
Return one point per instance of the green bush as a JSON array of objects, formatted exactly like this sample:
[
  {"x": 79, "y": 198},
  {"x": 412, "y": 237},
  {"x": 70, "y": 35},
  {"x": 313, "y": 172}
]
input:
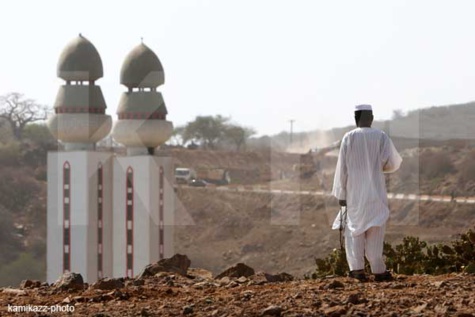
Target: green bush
[
  {"x": 406, "y": 258},
  {"x": 334, "y": 264},
  {"x": 413, "y": 256}
]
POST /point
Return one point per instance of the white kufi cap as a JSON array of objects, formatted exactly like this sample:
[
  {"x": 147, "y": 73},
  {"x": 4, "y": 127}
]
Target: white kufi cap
[{"x": 363, "y": 107}]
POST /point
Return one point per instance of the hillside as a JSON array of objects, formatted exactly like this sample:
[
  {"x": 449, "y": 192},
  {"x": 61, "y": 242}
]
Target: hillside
[
  {"x": 269, "y": 231},
  {"x": 276, "y": 233},
  {"x": 432, "y": 125}
]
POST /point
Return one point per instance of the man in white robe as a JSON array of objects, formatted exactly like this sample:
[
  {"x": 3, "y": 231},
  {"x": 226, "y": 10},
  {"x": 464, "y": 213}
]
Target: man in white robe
[{"x": 359, "y": 185}]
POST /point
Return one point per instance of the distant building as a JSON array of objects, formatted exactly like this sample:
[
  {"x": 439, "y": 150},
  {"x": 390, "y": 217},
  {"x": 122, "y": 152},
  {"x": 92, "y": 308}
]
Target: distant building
[{"x": 108, "y": 215}]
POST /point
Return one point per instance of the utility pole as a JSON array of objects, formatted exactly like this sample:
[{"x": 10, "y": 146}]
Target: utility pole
[{"x": 291, "y": 130}]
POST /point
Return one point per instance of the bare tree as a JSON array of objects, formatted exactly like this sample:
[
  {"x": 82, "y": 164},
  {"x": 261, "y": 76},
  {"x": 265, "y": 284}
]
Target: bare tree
[{"x": 19, "y": 111}]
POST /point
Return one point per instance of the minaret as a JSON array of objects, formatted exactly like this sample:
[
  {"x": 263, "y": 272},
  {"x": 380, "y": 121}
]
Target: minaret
[
  {"x": 80, "y": 120},
  {"x": 143, "y": 180},
  {"x": 79, "y": 220}
]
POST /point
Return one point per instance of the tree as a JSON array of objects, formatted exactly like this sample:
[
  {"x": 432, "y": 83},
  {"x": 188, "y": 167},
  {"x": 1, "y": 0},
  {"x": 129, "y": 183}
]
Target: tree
[
  {"x": 178, "y": 136},
  {"x": 238, "y": 135},
  {"x": 18, "y": 111},
  {"x": 206, "y": 130},
  {"x": 38, "y": 134}
]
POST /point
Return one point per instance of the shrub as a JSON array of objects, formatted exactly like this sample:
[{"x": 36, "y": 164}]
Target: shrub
[
  {"x": 38, "y": 134},
  {"x": 10, "y": 154},
  {"x": 406, "y": 258},
  {"x": 17, "y": 188},
  {"x": 334, "y": 264},
  {"x": 413, "y": 256}
]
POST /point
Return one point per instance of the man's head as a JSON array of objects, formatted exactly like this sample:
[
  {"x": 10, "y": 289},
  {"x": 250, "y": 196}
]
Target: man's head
[{"x": 363, "y": 116}]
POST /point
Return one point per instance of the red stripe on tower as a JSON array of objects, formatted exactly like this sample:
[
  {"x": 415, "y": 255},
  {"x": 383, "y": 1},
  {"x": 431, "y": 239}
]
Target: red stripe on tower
[
  {"x": 100, "y": 225},
  {"x": 161, "y": 203},
  {"x": 66, "y": 217},
  {"x": 129, "y": 222}
]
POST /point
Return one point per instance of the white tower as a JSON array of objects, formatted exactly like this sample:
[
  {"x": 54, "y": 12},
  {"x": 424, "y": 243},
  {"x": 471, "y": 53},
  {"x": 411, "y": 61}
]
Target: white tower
[
  {"x": 143, "y": 181},
  {"x": 79, "y": 220}
]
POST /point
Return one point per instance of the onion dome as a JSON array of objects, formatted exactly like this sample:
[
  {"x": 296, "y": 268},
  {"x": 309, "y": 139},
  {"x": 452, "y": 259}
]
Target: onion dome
[
  {"x": 142, "y": 124},
  {"x": 80, "y": 61},
  {"x": 142, "y": 68},
  {"x": 80, "y": 120}
]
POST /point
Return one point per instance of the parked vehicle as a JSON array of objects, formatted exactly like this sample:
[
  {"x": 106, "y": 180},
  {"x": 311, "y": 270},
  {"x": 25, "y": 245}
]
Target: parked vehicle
[
  {"x": 184, "y": 175},
  {"x": 217, "y": 176},
  {"x": 198, "y": 183}
]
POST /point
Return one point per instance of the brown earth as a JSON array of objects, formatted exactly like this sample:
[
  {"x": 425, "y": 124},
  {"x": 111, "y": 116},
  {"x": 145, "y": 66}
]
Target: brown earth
[
  {"x": 168, "y": 294},
  {"x": 284, "y": 232}
]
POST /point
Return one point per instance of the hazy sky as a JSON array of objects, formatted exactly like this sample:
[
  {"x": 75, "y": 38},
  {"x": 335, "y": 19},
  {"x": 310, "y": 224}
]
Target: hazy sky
[{"x": 262, "y": 62}]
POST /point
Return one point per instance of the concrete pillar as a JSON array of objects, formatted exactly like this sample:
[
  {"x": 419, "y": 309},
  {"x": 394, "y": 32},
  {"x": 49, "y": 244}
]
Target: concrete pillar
[
  {"x": 79, "y": 216},
  {"x": 144, "y": 200}
]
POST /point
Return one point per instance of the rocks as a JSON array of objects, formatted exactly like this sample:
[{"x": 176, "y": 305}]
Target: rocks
[
  {"x": 187, "y": 310},
  {"x": 224, "y": 281},
  {"x": 261, "y": 278},
  {"x": 281, "y": 277},
  {"x": 355, "y": 299},
  {"x": 70, "y": 281},
  {"x": 14, "y": 291},
  {"x": 421, "y": 295},
  {"x": 196, "y": 273},
  {"x": 335, "y": 311},
  {"x": 205, "y": 284},
  {"x": 30, "y": 284},
  {"x": 335, "y": 284},
  {"x": 272, "y": 311},
  {"x": 237, "y": 271},
  {"x": 176, "y": 264},
  {"x": 440, "y": 284},
  {"x": 135, "y": 282},
  {"x": 109, "y": 283}
]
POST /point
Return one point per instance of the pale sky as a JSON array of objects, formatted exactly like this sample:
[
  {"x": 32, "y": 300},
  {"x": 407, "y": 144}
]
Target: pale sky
[{"x": 262, "y": 62}]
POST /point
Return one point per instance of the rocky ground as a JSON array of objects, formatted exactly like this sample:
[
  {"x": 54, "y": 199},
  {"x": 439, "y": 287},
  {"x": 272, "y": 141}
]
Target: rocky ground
[{"x": 171, "y": 288}]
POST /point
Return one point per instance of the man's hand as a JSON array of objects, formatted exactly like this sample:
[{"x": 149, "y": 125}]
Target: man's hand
[{"x": 342, "y": 203}]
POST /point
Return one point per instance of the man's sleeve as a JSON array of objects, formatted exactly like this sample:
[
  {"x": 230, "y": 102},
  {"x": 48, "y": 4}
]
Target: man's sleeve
[
  {"x": 341, "y": 173},
  {"x": 390, "y": 156}
]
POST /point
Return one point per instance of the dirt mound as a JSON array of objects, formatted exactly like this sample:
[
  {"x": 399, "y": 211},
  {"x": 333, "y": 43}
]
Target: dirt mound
[{"x": 168, "y": 294}]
